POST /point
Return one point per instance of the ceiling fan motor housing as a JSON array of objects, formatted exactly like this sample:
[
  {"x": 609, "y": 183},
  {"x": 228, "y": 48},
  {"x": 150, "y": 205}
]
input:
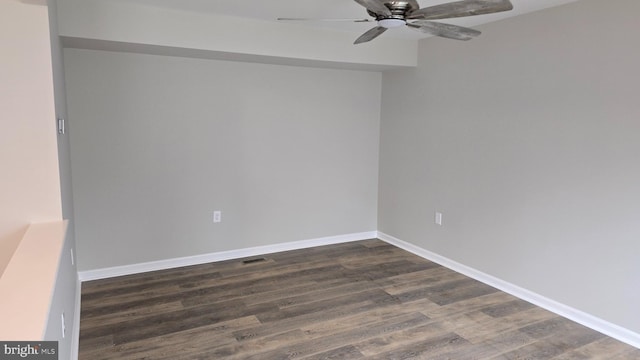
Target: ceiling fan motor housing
[{"x": 399, "y": 12}]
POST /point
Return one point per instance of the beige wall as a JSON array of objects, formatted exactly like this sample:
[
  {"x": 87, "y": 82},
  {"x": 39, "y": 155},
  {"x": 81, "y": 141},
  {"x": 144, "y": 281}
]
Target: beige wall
[
  {"x": 29, "y": 184},
  {"x": 526, "y": 139},
  {"x": 40, "y": 282}
]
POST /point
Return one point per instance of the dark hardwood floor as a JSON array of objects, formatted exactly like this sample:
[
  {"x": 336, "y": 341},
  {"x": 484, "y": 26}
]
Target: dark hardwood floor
[{"x": 359, "y": 300}]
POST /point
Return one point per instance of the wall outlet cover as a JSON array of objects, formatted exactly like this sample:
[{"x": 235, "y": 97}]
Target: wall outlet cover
[{"x": 438, "y": 218}]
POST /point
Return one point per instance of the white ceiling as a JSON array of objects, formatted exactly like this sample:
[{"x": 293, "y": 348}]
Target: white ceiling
[{"x": 270, "y": 10}]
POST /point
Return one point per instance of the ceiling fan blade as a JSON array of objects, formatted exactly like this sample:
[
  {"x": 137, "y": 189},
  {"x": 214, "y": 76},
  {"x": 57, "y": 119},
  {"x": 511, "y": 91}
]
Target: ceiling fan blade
[
  {"x": 370, "y": 35},
  {"x": 461, "y": 8},
  {"x": 314, "y": 19},
  {"x": 375, "y": 6},
  {"x": 444, "y": 30}
]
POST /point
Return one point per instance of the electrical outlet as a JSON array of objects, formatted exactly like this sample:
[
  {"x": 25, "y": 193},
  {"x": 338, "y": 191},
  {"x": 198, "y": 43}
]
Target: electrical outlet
[
  {"x": 438, "y": 218},
  {"x": 217, "y": 216},
  {"x": 64, "y": 328}
]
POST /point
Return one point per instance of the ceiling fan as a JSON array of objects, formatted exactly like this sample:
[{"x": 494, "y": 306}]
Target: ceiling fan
[{"x": 393, "y": 14}]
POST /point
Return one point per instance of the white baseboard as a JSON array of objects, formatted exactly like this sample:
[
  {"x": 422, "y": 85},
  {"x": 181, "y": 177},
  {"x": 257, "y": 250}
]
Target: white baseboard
[
  {"x": 75, "y": 340},
  {"x": 595, "y": 323},
  {"x": 219, "y": 256}
]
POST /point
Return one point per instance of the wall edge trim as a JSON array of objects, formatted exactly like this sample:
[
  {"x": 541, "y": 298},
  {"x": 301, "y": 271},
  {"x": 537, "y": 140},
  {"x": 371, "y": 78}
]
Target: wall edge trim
[{"x": 75, "y": 340}]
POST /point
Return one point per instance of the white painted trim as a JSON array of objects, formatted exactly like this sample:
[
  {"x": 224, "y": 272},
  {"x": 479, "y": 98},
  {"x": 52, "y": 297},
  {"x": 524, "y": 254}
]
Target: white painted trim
[
  {"x": 588, "y": 320},
  {"x": 219, "y": 256},
  {"x": 75, "y": 339}
]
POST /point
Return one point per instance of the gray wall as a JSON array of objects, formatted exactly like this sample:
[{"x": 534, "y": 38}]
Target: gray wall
[
  {"x": 159, "y": 143},
  {"x": 527, "y": 139},
  {"x": 64, "y": 296}
]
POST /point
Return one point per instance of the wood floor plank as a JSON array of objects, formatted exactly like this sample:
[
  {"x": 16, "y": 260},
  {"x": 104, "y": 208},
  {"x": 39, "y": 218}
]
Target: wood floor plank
[
  {"x": 358, "y": 300},
  {"x": 490, "y": 328},
  {"x": 507, "y": 308},
  {"x": 256, "y": 289},
  {"x": 90, "y": 287},
  {"x": 364, "y": 319},
  {"x": 536, "y": 350},
  {"x": 263, "y": 344},
  {"x": 400, "y": 339},
  {"x": 242, "y": 350},
  {"x": 315, "y": 346},
  {"x": 322, "y": 293},
  {"x": 466, "y": 306},
  {"x": 306, "y": 319},
  {"x": 605, "y": 348},
  {"x": 200, "y": 338},
  {"x": 632, "y": 354},
  {"x": 299, "y": 289},
  {"x": 406, "y": 283},
  {"x": 132, "y": 314},
  {"x": 347, "y": 352},
  {"x": 504, "y": 341},
  {"x": 325, "y": 305},
  {"x": 225, "y": 290},
  {"x": 424, "y": 349}
]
